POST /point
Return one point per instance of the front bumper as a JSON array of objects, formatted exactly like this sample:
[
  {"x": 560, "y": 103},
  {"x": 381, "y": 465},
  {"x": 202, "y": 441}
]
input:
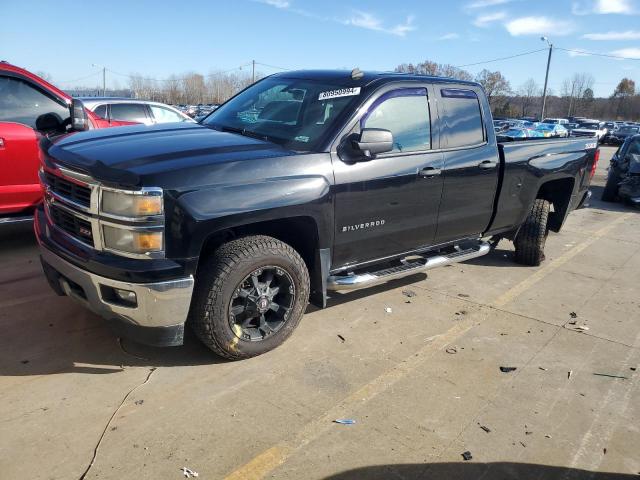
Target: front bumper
[{"x": 158, "y": 316}]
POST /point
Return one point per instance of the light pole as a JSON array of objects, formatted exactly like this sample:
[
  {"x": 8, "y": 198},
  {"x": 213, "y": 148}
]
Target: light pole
[
  {"x": 104, "y": 78},
  {"x": 546, "y": 77}
]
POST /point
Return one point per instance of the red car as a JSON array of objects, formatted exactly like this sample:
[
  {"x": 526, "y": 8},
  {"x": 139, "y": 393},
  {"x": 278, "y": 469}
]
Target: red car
[{"x": 29, "y": 108}]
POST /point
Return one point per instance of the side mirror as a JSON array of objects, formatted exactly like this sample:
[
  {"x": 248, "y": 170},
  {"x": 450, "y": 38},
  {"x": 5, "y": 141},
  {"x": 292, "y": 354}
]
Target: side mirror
[
  {"x": 49, "y": 122},
  {"x": 373, "y": 141},
  {"x": 79, "y": 119}
]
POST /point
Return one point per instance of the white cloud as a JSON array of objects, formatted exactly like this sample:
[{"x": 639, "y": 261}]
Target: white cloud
[
  {"x": 371, "y": 22},
  {"x": 486, "y": 3},
  {"x": 276, "y": 3},
  {"x": 449, "y": 36},
  {"x": 631, "y": 52},
  {"x": 489, "y": 18},
  {"x": 602, "y": 7},
  {"x": 538, "y": 26},
  {"x": 628, "y": 35}
]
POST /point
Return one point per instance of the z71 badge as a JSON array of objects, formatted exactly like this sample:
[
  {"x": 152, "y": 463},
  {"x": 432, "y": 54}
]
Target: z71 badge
[{"x": 362, "y": 226}]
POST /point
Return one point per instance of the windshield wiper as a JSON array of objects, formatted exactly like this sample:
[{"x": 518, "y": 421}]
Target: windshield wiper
[{"x": 245, "y": 132}]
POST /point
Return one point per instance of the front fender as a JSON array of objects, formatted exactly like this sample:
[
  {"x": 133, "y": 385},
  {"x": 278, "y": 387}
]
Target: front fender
[{"x": 201, "y": 214}]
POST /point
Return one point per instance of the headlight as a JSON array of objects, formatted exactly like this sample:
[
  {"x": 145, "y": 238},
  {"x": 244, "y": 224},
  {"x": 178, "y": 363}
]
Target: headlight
[
  {"x": 132, "y": 241},
  {"x": 134, "y": 204}
]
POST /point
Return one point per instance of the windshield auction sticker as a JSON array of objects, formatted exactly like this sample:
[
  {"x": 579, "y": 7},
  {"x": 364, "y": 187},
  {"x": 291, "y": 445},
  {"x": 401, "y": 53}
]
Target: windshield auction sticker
[{"x": 343, "y": 92}]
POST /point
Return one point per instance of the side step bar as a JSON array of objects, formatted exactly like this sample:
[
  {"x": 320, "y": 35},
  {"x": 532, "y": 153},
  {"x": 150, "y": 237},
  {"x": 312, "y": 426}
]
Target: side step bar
[{"x": 354, "y": 281}]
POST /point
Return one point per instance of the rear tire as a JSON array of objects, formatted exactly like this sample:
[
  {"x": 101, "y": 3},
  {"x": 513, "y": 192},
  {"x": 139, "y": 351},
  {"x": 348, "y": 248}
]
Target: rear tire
[
  {"x": 236, "y": 284},
  {"x": 531, "y": 238},
  {"x": 610, "y": 192}
]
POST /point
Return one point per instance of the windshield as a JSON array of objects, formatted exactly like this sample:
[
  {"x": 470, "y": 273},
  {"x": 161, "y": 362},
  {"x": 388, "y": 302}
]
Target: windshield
[
  {"x": 551, "y": 121},
  {"x": 590, "y": 126},
  {"x": 628, "y": 129},
  {"x": 297, "y": 114}
]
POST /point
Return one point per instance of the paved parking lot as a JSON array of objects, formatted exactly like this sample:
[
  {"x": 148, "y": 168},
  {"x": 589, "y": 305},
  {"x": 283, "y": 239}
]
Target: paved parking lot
[{"x": 419, "y": 374}]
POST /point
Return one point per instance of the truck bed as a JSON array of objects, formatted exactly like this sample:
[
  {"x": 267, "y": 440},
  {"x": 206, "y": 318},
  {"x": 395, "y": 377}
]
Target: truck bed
[{"x": 564, "y": 163}]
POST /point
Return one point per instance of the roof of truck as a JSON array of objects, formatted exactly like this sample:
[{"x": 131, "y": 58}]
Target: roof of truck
[{"x": 367, "y": 78}]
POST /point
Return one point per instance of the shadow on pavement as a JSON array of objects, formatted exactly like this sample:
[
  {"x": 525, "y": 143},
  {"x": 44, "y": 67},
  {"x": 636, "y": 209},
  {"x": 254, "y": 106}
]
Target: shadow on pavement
[
  {"x": 475, "y": 471},
  {"x": 596, "y": 204}
]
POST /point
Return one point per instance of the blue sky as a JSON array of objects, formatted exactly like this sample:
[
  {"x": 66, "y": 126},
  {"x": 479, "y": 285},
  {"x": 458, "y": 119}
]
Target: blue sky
[{"x": 158, "y": 38}]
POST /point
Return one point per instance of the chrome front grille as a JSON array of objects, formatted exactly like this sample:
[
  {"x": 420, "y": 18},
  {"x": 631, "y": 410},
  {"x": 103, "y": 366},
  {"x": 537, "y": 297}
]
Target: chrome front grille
[
  {"x": 68, "y": 189},
  {"x": 75, "y": 226},
  {"x": 72, "y": 203}
]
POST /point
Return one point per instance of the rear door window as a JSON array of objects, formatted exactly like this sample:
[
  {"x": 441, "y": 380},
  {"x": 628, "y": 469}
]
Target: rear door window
[
  {"x": 461, "y": 118},
  {"x": 404, "y": 112},
  {"x": 101, "y": 111},
  {"x": 21, "y": 102},
  {"x": 129, "y": 112},
  {"x": 165, "y": 115}
]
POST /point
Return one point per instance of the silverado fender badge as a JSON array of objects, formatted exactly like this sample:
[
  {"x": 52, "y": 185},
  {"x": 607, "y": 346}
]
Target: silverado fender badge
[{"x": 362, "y": 226}]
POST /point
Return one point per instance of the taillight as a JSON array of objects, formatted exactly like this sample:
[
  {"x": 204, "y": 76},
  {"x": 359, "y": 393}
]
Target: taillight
[{"x": 596, "y": 157}]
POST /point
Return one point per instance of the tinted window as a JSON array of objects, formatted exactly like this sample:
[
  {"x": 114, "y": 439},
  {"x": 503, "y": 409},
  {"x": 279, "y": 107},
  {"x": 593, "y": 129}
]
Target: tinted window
[
  {"x": 462, "y": 120},
  {"x": 20, "y": 102},
  {"x": 101, "y": 111},
  {"x": 128, "y": 112},
  {"x": 405, "y": 113},
  {"x": 164, "y": 115}
]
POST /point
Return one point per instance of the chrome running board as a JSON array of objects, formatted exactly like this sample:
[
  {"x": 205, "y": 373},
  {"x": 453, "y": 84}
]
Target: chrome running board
[{"x": 354, "y": 281}]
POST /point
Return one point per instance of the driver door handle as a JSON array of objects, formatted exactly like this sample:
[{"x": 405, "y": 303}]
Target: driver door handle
[
  {"x": 429, "y": 172},
  {"x": 487, "y": 164}
]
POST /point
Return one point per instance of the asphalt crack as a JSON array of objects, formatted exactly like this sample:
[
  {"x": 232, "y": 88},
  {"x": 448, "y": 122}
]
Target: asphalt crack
[{"x": 106, "y": 428}]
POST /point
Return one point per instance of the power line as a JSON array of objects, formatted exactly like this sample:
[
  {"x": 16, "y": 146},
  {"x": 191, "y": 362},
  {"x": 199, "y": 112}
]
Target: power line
[
  {"x": 502, "y": 58},
  {"x": 81, "y": 78},
  {"x": 584, "y": 52}
]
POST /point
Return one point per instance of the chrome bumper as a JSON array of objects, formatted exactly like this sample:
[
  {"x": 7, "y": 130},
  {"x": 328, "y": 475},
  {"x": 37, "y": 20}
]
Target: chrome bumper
[{"x": 162, "y": 304}]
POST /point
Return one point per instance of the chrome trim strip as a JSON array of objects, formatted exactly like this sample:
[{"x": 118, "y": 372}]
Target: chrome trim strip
[{"x": 364, "y": 280}]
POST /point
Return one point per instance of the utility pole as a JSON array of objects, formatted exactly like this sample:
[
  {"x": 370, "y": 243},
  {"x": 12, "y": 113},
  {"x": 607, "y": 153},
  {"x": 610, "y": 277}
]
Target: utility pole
[
  {"x": 253, "y": 71},
  {"x": 104, "y": 78},
  {"x": 546, "y": 77},
  {"x": 573, "y": 88}
]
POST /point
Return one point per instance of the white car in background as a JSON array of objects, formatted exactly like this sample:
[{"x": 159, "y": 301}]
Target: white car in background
[
  {"x": 132, "y": 110},
  {"x": 590, "y": 128}
]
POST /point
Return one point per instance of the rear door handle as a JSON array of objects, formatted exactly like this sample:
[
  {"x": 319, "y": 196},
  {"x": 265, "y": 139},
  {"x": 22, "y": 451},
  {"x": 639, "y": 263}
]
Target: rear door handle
[
  {"x": 487, "y": 164},
  {"x": 429, "y": 172}
]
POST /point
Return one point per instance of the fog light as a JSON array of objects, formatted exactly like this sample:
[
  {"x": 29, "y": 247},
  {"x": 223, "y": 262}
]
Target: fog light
[
  {"x": 126, "y": 296},
  {"x": 119, "y": 296}
]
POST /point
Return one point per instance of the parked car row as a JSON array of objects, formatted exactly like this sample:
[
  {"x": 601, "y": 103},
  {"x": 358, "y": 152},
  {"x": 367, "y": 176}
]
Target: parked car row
[
  {"x": 197, "y": 112},
  {"x": 610, "y": 132}
]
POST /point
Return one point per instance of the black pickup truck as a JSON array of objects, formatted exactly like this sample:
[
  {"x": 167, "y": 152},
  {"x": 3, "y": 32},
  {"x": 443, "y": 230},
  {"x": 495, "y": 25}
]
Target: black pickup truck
[{"x": 304, "y": 184}]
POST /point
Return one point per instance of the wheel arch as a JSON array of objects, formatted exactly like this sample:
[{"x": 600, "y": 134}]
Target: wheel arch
[
  {"x": 559, "y": 193},
  {"x": 303, "y": 233}
]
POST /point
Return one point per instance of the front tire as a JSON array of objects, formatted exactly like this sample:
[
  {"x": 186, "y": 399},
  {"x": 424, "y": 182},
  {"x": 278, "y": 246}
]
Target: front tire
[
  {"x": 250, "y": 295},
  {"x": 531, "y": 238}
]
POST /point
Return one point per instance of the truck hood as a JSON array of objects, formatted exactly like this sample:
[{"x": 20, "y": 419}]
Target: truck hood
[{"x": 124, "y": 156}]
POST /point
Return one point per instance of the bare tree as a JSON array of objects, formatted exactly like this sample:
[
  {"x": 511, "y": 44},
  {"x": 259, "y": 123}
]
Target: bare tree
[
  {"x": 436, "y": 69},
  {"x": 495, "y": 85},
  {"x": 529, "y": 93}
]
